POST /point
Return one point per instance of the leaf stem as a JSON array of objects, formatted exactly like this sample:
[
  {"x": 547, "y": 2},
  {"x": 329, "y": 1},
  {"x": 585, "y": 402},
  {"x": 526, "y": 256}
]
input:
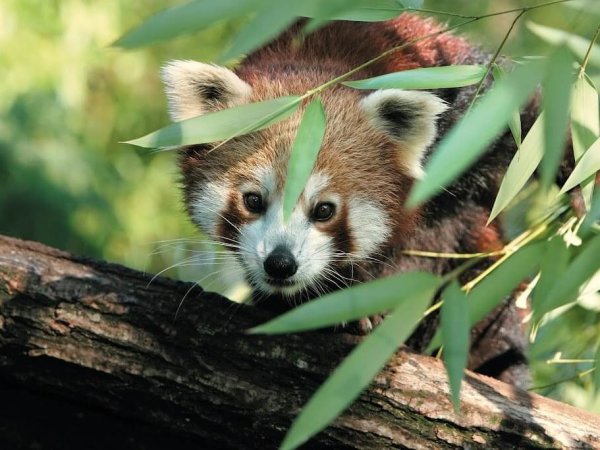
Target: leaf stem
[
  {"x": 494, "y": 58},
  {"x": 498, "y": 13},
  {"x": 556, "y": 383},
  {"x": 427, "y": 254},
  {"x": 569, "y": 361},
  {"x": 588, "y": 52},
  {"x": 510, "y": 248}
]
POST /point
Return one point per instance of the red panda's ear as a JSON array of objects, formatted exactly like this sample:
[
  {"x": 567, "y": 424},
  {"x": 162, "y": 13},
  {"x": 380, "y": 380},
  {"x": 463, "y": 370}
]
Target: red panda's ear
[
  {"x": 194, "y": 88},
  {"x": 409, "y": 118}
]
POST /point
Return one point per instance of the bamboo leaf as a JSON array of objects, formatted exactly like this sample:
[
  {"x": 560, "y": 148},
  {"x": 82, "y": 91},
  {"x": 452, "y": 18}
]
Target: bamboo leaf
[
  {"x": 414, "y": 4},
  {"x": 498, "y": 285},
  {"x": 355, "y": 373},
  {"x": 557, "y": 92},
  {"x": 553, "y": 265},
  {"x": 597, "y": 371},
  {"x": 520, "y": 169},
  {"x": 515, "y": 120},
  {"x": 585, "y": 125},
  {"x": 425, "y": 78},
  {"x": 362, "y": 300},
  {"x": 585, "y": 115},
  {"x": 474, "y": 133},
  {"x": 303, "y": 155},
  {"x": 592, "y": 216},
  {"x": 273, "y": 18},
  {"x": 183, "y": 19},
  {"x": 369, "y": 14},
  {"x": 587, "y": 6},
  {"x": 355, "y": 10},
  {"x": 577, "y": 44},
  {"x": 267, "y": 24},
  {"x": 327, "y": 11},
  {"x": 221, "y": 125},
  {"x": 583, "y": 267},
  {"x": 587, "y": 166},
  {"x": 455, "y": 329}
]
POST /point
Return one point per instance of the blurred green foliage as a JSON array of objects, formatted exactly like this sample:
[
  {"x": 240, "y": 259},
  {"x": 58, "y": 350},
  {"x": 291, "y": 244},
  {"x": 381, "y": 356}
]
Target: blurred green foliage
[{"x": 68, "y": 98}]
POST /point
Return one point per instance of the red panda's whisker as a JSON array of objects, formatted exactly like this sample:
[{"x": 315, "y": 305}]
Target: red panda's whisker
[{"x": 195, "y": 284}]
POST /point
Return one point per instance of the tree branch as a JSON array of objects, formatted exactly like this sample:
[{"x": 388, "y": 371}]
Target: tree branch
[{"x": 90, "y": 357}]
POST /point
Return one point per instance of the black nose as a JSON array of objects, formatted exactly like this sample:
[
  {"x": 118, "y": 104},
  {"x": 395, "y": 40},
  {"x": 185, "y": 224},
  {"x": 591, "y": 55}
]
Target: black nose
[{"x": 280, "y": 264}]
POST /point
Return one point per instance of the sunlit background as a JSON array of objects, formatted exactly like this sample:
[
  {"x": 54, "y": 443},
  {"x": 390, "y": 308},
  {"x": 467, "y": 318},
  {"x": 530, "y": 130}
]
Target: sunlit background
[{"x": 67, "y": 98}]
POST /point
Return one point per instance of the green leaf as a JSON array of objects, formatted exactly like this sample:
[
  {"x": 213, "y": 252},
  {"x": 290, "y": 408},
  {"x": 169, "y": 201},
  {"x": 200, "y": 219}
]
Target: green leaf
[
  {"x": 221, "y": 125},
  {"x": 583, "y": 267},
  {"x": 267, "y": 24},
  {"x": 303, "y": 155},
  {"x": 514, "y": 123},
  {"x": 592, "y": 216},
  {"x": 368, "y": 14},
  {"x": 425, "y": 78},
  {"x": 587, "y": 6},
  {"x": 326, "y": 11},
  {"x": 495, "y": 287},
  {"x": 499, "y": 284},
  {"x": 350, "y": 304},
  {"x": 585, "y": 125},
  {"x": 273, "y": 18},
  {"x": 184, "y": 19},
  {"x": 557, "y": 92},
  {"x": 585, "y": 115},
  {"x": 587, "y": 166},
  {"x": 597, "y": 371},
  {"x": 357, "y": 10},
  {"x": 475, "y": 132},
  {"x": 521, "y": 167},
  {"x": 357, "y": 370},
  {"x": 554, "y": 263},
  {"x": 415, "y": 4},
  {"x": 577, "y": 44},
  {"x": 455, "y": 326}
]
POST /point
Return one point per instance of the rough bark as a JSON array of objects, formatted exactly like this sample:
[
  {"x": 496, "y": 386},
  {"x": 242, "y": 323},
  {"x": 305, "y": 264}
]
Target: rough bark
[{"x": 91, "y": 357}]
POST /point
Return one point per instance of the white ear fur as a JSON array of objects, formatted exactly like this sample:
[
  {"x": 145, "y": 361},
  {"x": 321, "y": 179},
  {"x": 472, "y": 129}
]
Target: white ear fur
[
  {"x": 409, "y": 118},
  {"x": 194, "y": 88}
]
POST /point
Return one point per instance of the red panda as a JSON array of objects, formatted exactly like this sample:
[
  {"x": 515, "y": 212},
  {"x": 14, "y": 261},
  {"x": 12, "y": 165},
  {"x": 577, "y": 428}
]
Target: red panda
[{"x": 349, "y": 225}]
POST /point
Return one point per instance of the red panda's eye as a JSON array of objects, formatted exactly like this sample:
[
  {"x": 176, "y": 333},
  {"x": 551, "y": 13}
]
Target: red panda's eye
[
  {"x": 253, "y": 202},
  {"x": 323, "y": 211}
]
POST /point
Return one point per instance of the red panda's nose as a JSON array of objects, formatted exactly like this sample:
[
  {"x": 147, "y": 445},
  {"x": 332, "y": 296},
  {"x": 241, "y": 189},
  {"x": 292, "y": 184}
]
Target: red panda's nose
[{"x": 280, "y": 264}]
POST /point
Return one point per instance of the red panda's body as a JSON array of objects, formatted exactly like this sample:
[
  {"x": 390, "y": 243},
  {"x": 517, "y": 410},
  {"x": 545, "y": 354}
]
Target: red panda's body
[{"x": 350, "y": 225}]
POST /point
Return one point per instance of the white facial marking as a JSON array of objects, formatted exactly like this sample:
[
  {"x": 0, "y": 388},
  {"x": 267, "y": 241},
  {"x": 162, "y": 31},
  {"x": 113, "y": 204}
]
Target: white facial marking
[
  {"x": 369, "y": 225},
  {"x": 316, "y": 184},
  {"x": 311, "y": 248},
  {"x": 267, "y": 180},
  {"x": 209, "y": 204}
]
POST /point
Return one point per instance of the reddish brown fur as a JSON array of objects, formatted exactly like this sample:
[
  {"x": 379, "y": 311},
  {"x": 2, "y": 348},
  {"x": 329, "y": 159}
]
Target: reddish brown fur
[{"x": 363, "y": 159}]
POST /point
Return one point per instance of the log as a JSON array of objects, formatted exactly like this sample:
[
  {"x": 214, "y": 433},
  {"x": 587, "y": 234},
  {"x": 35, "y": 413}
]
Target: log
[{"x": 91, "y": 357}]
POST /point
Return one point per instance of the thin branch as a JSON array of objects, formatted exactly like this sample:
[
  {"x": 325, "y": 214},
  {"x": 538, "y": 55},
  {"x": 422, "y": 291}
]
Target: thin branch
[
  {"x": 498, "y": 13},
  {"x": 588, "y": 52},
  {"x": 494, "y": 58},
  {"x": 427, "y": 254},
  {"x": 564, "y": 380}
]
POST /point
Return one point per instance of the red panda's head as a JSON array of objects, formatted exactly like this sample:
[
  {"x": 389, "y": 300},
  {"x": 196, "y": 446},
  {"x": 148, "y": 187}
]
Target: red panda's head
[{"x": 352, "y": 205}]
